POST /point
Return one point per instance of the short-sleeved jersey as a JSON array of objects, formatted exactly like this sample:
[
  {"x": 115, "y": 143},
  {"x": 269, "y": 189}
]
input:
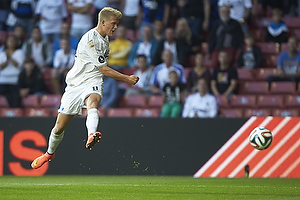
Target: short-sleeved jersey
[{"x": 92, "y": 53}]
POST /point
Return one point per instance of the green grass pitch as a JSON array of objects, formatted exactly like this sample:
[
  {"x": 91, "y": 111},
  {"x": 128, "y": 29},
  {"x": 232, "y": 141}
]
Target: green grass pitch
[{"x": 146, "y": 187}]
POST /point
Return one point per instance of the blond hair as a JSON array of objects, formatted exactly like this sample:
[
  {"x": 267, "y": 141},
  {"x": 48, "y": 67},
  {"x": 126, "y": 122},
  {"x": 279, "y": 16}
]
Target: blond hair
[{"x": 107, "y": 12}]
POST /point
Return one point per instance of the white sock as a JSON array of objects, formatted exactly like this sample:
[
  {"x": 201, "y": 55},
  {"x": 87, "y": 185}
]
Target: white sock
[
  {"x": 92, "y": 120},
  {"x": 54, "y": 141}
]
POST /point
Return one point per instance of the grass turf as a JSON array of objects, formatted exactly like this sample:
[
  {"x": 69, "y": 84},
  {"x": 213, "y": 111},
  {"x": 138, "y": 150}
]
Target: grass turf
[{"x": 146, "y": 187}]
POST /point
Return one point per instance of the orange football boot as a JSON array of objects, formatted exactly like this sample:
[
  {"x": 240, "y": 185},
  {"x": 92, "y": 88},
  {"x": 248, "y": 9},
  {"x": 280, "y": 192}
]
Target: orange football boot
[
  {"x": 93, "y": 139},
  {"x": 39, "y": 161}
]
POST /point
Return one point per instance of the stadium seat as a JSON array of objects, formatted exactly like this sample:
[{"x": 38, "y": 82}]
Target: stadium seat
[
  {"x": 3, "y": 36},
  {"x": 135, "y": 101},
  {"x": 187, "y": 71},
  {"x": 245, "y": 74},
  {"x": 155, "y": 101},
  {"x": 243, "y": 101},
  {"x": 268, "y": 47},
  {"x": 47, "y": 80},
  {"x": 131, "y": 35},
  {"x": 3, "y": 102},
  {"x": 263, "y": 73},
  {"x": 259, "y": 34},
  {"x": 285, "y": 112},
  {"x": 222, "y": 101},
  {"x": 284, "y": 47},
  {"x": 283, "y": 87},
  {"x": 190, "y": 62},
  {"x": 50, "y": 100},
  {"x": 146, "y": 112},
  {"x": 292, "y": 101},
  {"x": 292, "y": 22},
  {"x": 255, "y": 87},
  {"x": 37, "y": 112},
  {"x": 270, "y": 101},
  {"x": 231, "y": 112},
  {"x": 11, "y": 112},
  {"x": 119, "y": 112},
  {"x": 129, "y": 71},
  {"x": 31, "y": 101},
  {"x": 257, "y": 112}
]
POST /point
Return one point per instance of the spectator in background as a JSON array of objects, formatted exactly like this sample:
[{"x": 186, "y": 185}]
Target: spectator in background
[
  {"x": 110, "y": 93},
  {"x": 38, "y": 49},
  {"x": 20, "y": 34},
  {"x": 63, "y": 60},
  {"x": 31, "y": 80},
  {"x": 197, "y": 14},
  {"x": 226, "y": 34},
  {"x": 160, "y": 74},
  {"x": 179, "y": 48},
  {"x": 4, "y": 12},
  {"x": 65, "y": 33},
  {"x": 119, "y": 48},
  {"x": 250, "y": 56},
  {"x": 225, "y": 77},
  {"x": 130, "y": 9},
  {"x": 240, "y": 11},
  {"x": 24, "y": 13},
  {"x": 183, "y": 32},
  {"x": 158, "y": 30},
  {"x": 147, "y": 46},
  {"x": 288, "y": 67},
  {"x": 51, "y": 14},
  {"x": 145, "y": 73},
  {"x": 198, "y": 71},
  {"x": 200, "y": 104},
  {"x": 81, "y": 17},
  {"x": 151, "y": 10},
  {"x": 172, "y": 97},
  {"x": 276, "y": 30},
  {"x": 11, "y": 61}
]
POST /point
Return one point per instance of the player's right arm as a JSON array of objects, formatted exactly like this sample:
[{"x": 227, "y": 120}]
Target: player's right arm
[{"x": 107, "y": 71}]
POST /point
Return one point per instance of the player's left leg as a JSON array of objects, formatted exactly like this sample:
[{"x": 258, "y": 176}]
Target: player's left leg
[{"x": 92, "y": 102}]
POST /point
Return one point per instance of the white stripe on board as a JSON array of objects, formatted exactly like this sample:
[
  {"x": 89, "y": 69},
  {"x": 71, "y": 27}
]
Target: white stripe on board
[
  {"x": 291, "y": 168},
  {"x": 254, "y": 152},
  {"x": 237, "y": 151},
  {"x": 282, "y": 159},
  {"x": 223, "y": 148},
  {"x": 275, "y": 149}
]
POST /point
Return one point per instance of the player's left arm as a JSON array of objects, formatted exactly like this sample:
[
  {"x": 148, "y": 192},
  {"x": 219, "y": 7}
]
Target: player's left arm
[{"x": 107, "y": 71}]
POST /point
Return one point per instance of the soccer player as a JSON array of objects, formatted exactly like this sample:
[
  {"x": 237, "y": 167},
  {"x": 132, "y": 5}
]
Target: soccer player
[{"x": 85, "y": 83}]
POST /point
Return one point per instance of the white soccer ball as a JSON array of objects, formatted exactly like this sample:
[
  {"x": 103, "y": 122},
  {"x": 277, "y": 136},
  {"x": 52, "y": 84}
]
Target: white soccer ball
[{"x": 261, "y": 138}]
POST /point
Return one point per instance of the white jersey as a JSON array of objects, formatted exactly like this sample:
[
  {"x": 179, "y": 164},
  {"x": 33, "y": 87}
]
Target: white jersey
[
  {"x": 92, "y": 53},
  {"x": 202, "y": 107}
]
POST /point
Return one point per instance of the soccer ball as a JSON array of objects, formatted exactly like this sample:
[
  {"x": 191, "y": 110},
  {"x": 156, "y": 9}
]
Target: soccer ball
[{"x": 261, "y": 138}]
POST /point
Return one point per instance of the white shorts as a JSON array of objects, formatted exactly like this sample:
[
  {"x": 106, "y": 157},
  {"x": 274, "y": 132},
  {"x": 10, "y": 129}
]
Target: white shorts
[{"x": 72, "y": 100}]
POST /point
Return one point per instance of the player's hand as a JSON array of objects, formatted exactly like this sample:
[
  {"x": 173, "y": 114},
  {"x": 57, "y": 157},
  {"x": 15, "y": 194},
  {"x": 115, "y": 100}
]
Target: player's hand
[{"x": 133, "y": 79}]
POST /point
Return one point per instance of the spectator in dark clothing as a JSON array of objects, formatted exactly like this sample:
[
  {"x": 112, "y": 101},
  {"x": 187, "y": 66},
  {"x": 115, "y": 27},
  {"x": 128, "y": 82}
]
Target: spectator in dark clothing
[
  {"x": 31, "y": 80},
  {"x": 277, "y": 30},
  {"x": 197, "y": 13},
  {"x": 227, "y": 34},
  {"x": 224, "y": 80},
  {"x": 199, "y": 71},
  {"x": 178, "y": 47},
  {"x": 250, "y": 56}
]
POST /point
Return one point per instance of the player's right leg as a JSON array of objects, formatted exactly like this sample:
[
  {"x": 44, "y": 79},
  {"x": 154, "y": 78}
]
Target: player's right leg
[{"x": 55, "y": 138}]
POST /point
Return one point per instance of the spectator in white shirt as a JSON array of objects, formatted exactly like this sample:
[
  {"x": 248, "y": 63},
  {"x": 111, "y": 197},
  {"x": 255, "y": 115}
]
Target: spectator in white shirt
[
  {"x": 81, "y": 17},
  {"x": 63, "y": 60},
  {"x": 11, "y": 61},
  {"x": 200, "y": 104},
  {"x": 38, "y": 49},
  {"x": 51, "y": 15},
  {"x": 161, "y": 72},
  {"x": 144, "y": 72}
]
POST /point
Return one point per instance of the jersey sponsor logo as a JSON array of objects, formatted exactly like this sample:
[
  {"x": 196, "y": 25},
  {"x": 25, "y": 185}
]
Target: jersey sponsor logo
[{"x": 101, "y": 59}]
